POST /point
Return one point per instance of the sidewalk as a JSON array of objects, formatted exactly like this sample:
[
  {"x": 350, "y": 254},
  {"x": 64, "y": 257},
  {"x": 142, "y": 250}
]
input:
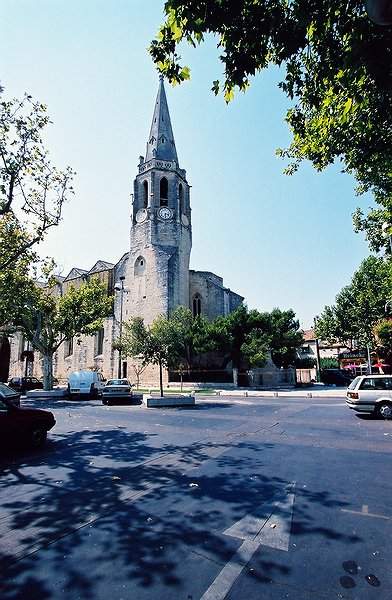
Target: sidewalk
[{"x": 316, "y": 391}]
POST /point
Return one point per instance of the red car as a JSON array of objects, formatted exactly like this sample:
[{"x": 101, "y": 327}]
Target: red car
[{"x": 26, "y": 425}]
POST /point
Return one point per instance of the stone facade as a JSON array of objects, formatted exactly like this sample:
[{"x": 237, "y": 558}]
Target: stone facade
[{"x": 154, "y": 272}]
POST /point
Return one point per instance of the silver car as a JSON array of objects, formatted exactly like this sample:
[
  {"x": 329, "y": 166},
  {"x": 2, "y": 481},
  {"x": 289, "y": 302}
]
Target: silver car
[
  {"x": 371, "y": 394},
  {"x": 116, "y": 389}
]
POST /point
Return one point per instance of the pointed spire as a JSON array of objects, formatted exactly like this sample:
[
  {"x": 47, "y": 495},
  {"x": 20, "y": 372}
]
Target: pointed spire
[{"x": 160, "y": 144}]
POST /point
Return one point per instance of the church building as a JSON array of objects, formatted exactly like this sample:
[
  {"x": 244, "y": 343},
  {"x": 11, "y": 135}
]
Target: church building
[{"x": 153, "y": 277}]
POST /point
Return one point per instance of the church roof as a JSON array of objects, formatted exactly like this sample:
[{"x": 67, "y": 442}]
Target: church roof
[
  {"x": 160, "y": 144},
  {"x": 101, "y": 265},
  {"x": 74, "y": 273}
]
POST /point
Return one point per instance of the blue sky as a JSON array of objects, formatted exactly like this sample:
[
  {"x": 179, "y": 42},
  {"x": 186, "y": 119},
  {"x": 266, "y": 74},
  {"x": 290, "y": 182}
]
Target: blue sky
[{"x": 278, "y": 240}]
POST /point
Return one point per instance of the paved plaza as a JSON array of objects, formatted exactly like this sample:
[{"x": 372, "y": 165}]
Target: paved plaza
[{"x": 238, "y": 498}]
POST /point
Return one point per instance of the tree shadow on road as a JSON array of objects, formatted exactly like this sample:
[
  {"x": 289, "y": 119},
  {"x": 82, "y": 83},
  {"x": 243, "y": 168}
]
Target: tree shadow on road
[{"x": 109, "y": 501}]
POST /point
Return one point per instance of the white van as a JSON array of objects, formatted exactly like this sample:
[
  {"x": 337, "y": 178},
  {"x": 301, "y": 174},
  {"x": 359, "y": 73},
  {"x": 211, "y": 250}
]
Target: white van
[{"x": 85, "y": 383}]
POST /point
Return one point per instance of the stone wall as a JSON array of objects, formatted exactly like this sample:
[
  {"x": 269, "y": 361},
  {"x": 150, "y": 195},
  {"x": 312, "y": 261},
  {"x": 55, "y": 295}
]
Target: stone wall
[{"x": 216, "y": 299}]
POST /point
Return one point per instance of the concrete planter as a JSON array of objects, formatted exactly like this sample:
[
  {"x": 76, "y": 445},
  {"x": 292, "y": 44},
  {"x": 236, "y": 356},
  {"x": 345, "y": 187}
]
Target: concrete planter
[
  {"x": 152, "y": 401},
  {"x": 45, "y": 395}
]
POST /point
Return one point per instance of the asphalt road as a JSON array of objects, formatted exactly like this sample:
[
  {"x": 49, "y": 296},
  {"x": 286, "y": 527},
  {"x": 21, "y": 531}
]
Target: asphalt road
[{"x": 239, "y": 498}]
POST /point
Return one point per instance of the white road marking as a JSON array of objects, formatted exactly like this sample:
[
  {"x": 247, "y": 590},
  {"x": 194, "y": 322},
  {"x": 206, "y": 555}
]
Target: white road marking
[
  {"x": 272, "y": 529},
  {"x": 365, "y": 513}
]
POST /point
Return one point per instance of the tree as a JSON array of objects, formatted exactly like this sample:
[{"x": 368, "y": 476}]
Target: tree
[
  {"x": 30, "y": 186},
  {"x": 152, "y": 345},
  {"x": 383, "y": 335},
  {"x": 255, "y": 348},
  {"x": 285, "y": 336},
  {"x": 305, "y": 363},
  {"x": 249, "y": 335},
  {"x": 32, "y": 195},
  {"x": 138, "y": 368},
  {"x": 169, "y": 342},
  {"x": 16, "y": 285},
  {"x": 191, "y": 336},
  {"x": 230, "y": 333},
  {"x": 48, "y": 319},
  {"x": 338, "y": 74},
  {"x": 328, "y": 363},
  {"x": 358, "y": 306}
]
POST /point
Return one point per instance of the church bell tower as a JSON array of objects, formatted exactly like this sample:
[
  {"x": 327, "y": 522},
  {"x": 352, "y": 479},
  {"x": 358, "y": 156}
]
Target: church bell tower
[{"x": 161, "y": 235}]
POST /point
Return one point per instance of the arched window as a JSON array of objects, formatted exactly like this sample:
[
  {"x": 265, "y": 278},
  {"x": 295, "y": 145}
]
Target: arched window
[
  {"x": 163, "y": 191},
  {"x": 181, "y": 198},
  {"x": 68, "y": 347},
  {"x": 140, "y": 266},
  {"x": 196, "y": 306},
  {"x": 145, "y": 193},
  {"x": 99, "y": 337}
]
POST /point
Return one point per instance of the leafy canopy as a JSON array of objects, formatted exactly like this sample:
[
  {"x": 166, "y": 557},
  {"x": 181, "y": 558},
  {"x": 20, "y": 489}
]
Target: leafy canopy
[
  {"x": 32, "y": 195},
  {"x": 359, "y": 305},
  {"x": 32, "y": 190},
  {"x": 48, "y": 318},
  {"x": 248, "y": 335},
  {"x": 383, "y": 334},
  {"x": 337, "y": 73}
]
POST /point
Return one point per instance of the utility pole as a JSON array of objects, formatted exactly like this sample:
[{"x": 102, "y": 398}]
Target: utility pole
[
  {"x": 121, "y": 290},
  {"x": 369, "y": 360},
  {"x": 318, "y": 371}
]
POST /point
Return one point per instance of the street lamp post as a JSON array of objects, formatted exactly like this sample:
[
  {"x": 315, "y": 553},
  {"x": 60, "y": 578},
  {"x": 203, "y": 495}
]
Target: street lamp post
[
  {"x": 121, "y": 290},
  {"x": 369, "y": 369},
  {"x": 318, "y": 368}
]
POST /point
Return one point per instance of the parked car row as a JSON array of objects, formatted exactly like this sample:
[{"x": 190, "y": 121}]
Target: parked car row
[
  {"x": 81, "y": 384},
  {"x": 25, "y": 384}
]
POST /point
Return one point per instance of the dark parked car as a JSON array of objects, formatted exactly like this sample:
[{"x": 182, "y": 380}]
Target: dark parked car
[
  {"x": 24, "y": 384},
  {"x": 10, "y": 394},
  {"x": 26, "y": 425},
  {"x": 335, "y": 377}
]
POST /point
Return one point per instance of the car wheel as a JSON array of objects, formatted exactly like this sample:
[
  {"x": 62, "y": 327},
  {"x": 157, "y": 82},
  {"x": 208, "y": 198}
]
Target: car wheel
[
  {"x": 38, "y": 436},
  {"x": 384, "y": 410}
]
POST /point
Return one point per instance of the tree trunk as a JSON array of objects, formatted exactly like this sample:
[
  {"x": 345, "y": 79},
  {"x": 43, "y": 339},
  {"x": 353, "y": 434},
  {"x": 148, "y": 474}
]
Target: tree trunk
[
  {"x": 48, "y": 371},
  {"x": 235, "y": 376},
  {"x": 160, "y": 378},
  {"x": 181, "y": 375}
]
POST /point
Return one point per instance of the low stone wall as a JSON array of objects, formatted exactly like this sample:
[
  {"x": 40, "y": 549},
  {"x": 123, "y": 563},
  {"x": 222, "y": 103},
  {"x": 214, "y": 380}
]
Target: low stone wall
[
  {"x": 55, "y": 393},
  {"x": 271, "y": 378},
  {"x": 167, "y": 401}
]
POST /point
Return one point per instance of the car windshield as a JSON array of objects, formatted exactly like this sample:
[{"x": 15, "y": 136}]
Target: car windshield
[
  {"x": 354, "y": 383},
  {"x": 6, "y": 391},
  {"x": 117, "y": 382}
]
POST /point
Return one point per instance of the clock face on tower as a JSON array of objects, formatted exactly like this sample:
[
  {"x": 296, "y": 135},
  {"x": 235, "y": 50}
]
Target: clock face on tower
[
  {"x": 165, "y": 213},
  {"x": 141, "y": 215}
]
